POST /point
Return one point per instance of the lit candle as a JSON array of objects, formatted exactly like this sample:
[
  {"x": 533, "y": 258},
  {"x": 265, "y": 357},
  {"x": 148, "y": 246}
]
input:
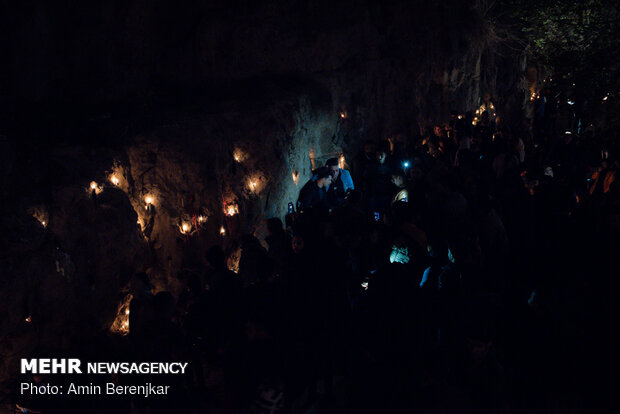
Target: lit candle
[
  {"x": 149, "y": 203},
  {"x": 185, "y": 228},
  {"x": 343, "y": 115},
  {"x": 341, "y": 162},
  {"x": 231, "y": 210},
  {"x": 253, "y": 184},
  {"x": 94, "y": 191},
  {"x": 239, "y": 155},
  {"x": 222, "y": 231}
]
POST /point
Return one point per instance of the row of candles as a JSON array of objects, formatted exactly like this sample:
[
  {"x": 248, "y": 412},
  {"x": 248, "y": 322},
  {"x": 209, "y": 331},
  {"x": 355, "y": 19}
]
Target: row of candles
[
  {"x": 254, "y": 183},
  {"x": 490, "y": 110},
  {"x": 186, "y": 227}
]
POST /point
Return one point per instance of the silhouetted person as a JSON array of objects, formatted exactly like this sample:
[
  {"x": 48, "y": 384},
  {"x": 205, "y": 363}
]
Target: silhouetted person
[{"x": 313, "y": 193}]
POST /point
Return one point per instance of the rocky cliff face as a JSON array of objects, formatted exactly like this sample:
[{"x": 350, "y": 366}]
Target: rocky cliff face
[{"x": 178, "y": 112}]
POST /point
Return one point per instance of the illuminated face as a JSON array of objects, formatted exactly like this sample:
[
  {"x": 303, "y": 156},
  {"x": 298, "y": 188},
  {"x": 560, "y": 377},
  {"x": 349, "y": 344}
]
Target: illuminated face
[
  {"x": 437, "y": 130},
  {"x": 335, "y": 171}
]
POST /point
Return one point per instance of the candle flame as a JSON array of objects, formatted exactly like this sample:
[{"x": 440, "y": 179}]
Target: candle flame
[
  {"x": 121, "y": 322},
  {"x": 114, "y": 180},
  {"x": 341, "y": 162},
  {"x": 28, "y": 319},
  {"x": 343, "y": 114},
  {"x": 254, "y": 184},
  {"x": 185, "y": 228},
  {"x": 222, "y": 231},
  {"x": 148, "y": 200},
  {"x": 231, "y": 209},
  {"x": 96, "y": 187},
  {"x": 239, "y": 155}
]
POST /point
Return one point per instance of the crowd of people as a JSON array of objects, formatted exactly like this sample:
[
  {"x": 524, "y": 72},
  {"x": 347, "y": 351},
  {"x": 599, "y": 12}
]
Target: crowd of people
[{"x": 444, "y": 273}]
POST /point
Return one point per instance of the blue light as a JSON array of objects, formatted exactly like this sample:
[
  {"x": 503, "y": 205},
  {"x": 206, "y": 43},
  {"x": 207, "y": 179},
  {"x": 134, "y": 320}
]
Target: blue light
[{"x": 406, "y": 164}]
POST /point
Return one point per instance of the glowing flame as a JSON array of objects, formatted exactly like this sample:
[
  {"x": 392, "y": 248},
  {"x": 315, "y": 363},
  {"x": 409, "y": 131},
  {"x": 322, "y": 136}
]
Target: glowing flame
[
  {"x": 231, "y": 209},
  {"x": 239, "y": 155},
  {"x": 94, "y": 186},
  {"x": 39, "y": 213},
  {"x": 185, "y": 228},
  {"x": 255, "y": 184},
  {"x": 202, "y": 219},
  {"x": 120, "y": 325},
  {"x": 460, "y": 117},
  {"x": 343, "y": 114},
  {"x": 295, "y": 177},
  {"x": 341, "y": 162},
  {"x": 114, "y": 179},
  {"x": 149, "y": 200},
  {"x": 222, "y": 231},
  {"x": 28, "y": 319}
]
